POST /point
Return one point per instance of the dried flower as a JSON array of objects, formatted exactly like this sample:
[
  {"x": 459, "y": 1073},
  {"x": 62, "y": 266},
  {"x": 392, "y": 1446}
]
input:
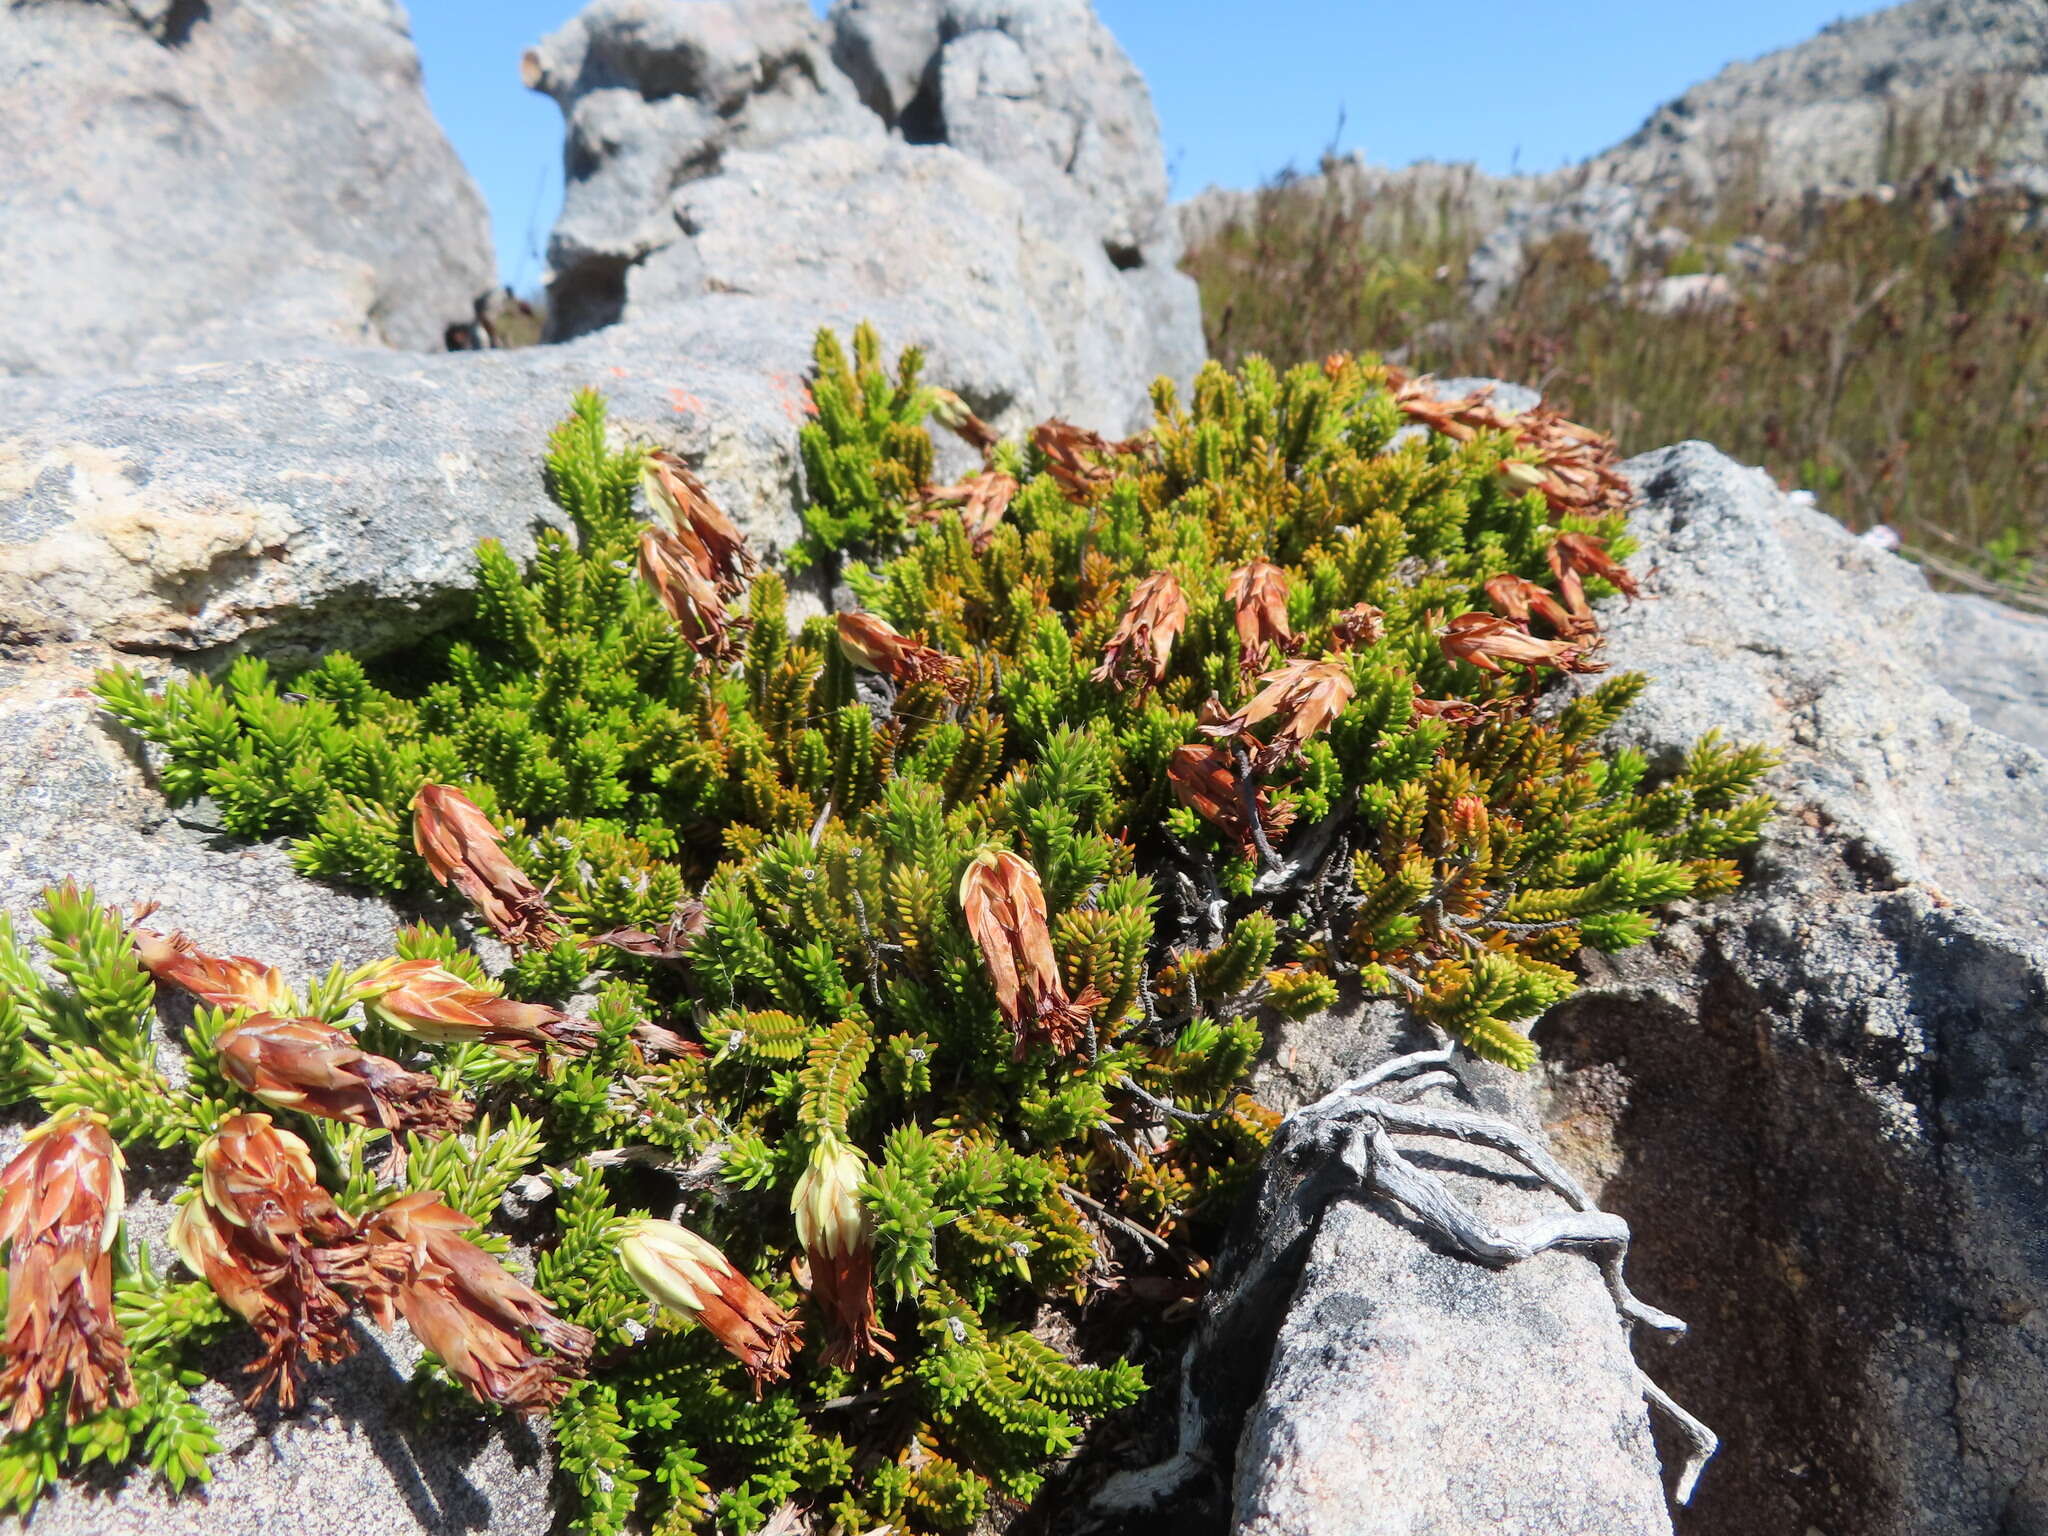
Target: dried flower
[
  {"x": 952, "y": 413},
  {"x": 439, "y": 1007},
  {"x": 1522, "y": 476},
  {"x": 1360, "y": 624},
  {"x": 982, "y": 499},
  {"x": 235, "y": 981},
  {"x": 1068, "y": 450},
  {"x": 1518, "y": 600},
  {"x": 872, "y": 644},
  {"x": 671, "y": 941},
  {"x": 1486, "y": 641},
  {"x": 277, "y": 1250},
  {"x": 838, "y": 1237},
  {"x": 1259, "y": 593},
  {"x": 686, "y": 589},
  {"x": 1005, "y": 911},
  {"x": 306, "y": 1065},
  {"x": 1205, "y": 781},
  {"x": 471, "y": 1311},
  {"x": 682, "y": 1272},
  {"x": 1577, "y": 555},
  {"x": 61, "y": 1199},
  {"x": 1304, "y": 696},
  {"x": 720, "y": 550},
  {"x": 463, "y": 847},
  {"x": 1153, "y": 619}
]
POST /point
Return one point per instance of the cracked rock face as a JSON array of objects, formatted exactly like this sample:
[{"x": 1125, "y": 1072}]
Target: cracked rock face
[{"x": 207, "y": 178}]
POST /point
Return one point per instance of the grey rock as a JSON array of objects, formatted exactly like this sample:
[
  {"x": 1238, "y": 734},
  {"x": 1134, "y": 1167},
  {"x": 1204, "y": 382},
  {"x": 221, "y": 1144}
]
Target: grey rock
[
  {"x": 1350, "y": 1374},
  {"x": 335, "y": 500},
  {"x": 1027, "y": 204},
  {"x": 1834, "y": 111},
  {"x": 1609, "y": 218},
  {"x": 191, "y": 180},
  {"x": 1995, "y": 659},
  {"x": 361, "y": 1457},
  {"x": 1820, "y": 1102},
  {"x": 654, "y": 94}
]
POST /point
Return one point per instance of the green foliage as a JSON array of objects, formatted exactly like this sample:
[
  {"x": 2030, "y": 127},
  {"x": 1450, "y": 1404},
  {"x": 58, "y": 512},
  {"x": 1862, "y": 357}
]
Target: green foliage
[{"x": 1447, "y": 847}]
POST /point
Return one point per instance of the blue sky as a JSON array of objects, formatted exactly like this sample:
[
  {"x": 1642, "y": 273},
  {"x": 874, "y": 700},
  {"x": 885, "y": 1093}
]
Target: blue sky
[{"x": 1242, "y": 89}]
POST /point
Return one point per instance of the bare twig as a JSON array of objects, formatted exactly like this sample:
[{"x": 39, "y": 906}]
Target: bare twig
[{"x": 1110, "y": 1218}]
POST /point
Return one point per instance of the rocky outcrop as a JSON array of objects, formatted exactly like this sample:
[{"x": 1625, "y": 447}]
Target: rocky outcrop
[
  {"x": 1820, "y": 1103},
  {"x": 333, "y": 497},
  {"x": 229, "y": 179},
  {"x": 1867, "y": 100},
  {"x": 999, "y": 165}
]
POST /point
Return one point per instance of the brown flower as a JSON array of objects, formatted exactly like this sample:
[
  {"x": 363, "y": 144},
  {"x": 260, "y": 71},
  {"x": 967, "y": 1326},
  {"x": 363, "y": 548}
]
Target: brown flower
[
  {"x": 439, "y": 1007},
  {"x": 1360, "y": 624},
  {"x": 462, "y": 846},
  {"x": 1486, "y": 641},
  {"x": 306, "y": 1065},
  {"x": 1070, "y": 452},
  {"x": 235, "y": 981},
  {"x": 1303, "y": 696},
  {"x": 1005, "y": 910},
  {"x": 1205, "y": 781},
  {"x": 471, "y": 1311},
  {"x": 682, "y": 1272},
  {"x": 1519, "y": 600},
  {"x": 1152, "y": 620},
  {"x": 277, "y": 1250},
  {"x": 1259, "y": 594},
  {"x": 718, "y": 547},
  {"x": 953, "y": 413},
  {"x": 838, "y": 1237},
  {"x": 1577, "y": 555},
  {"x": 872, "y": 644},
  {"x": 680, "y": 579},
  {"x": 671, "y": 941},
  {"x": 61, "y": 1199},
  {"x": 982, "y": 499}
]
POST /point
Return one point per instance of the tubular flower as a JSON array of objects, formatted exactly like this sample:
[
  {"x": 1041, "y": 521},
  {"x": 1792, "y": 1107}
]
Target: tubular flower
[
  {"x": 1204, "y": 781},
  {"x": 1518, "y": 600},
  {"x": 1154, "y": 618},
  {"x": 982, "y": 498},
  {"x": 870, "y": 643},
  {"x": 670, "y": 566},
  {"x": 1005, "y": 910},
  {"x": 682, "y": 1272},
  {"x": 463, "y": 847},
  {"x": 277, "y": 1250},
  {"x": 440, "y": 1008},
  {"x": 306, "y": 1065},
  {"x": 719, "y": 548},
  {"x": 1486, "y": 641},
  {"x": 1304, "y": 696},
  {"x": 61, "y": 1198},
  {"x": 1064, "y": 446},
  {"x": 838, "y": 1237},
  {"x": 470, "y": 1310},
  {"x": 1360, "y": 624},
  {"x": 954, "y": 414},
  {"x": 1574, "y": 556},
  {"x": 1259, "y": 594},
  {"x": 235, "y": 981}
]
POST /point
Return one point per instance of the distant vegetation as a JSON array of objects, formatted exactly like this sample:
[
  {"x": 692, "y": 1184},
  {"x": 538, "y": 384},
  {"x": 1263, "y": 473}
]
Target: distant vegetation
[{"x": 1893, "y": 359}]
